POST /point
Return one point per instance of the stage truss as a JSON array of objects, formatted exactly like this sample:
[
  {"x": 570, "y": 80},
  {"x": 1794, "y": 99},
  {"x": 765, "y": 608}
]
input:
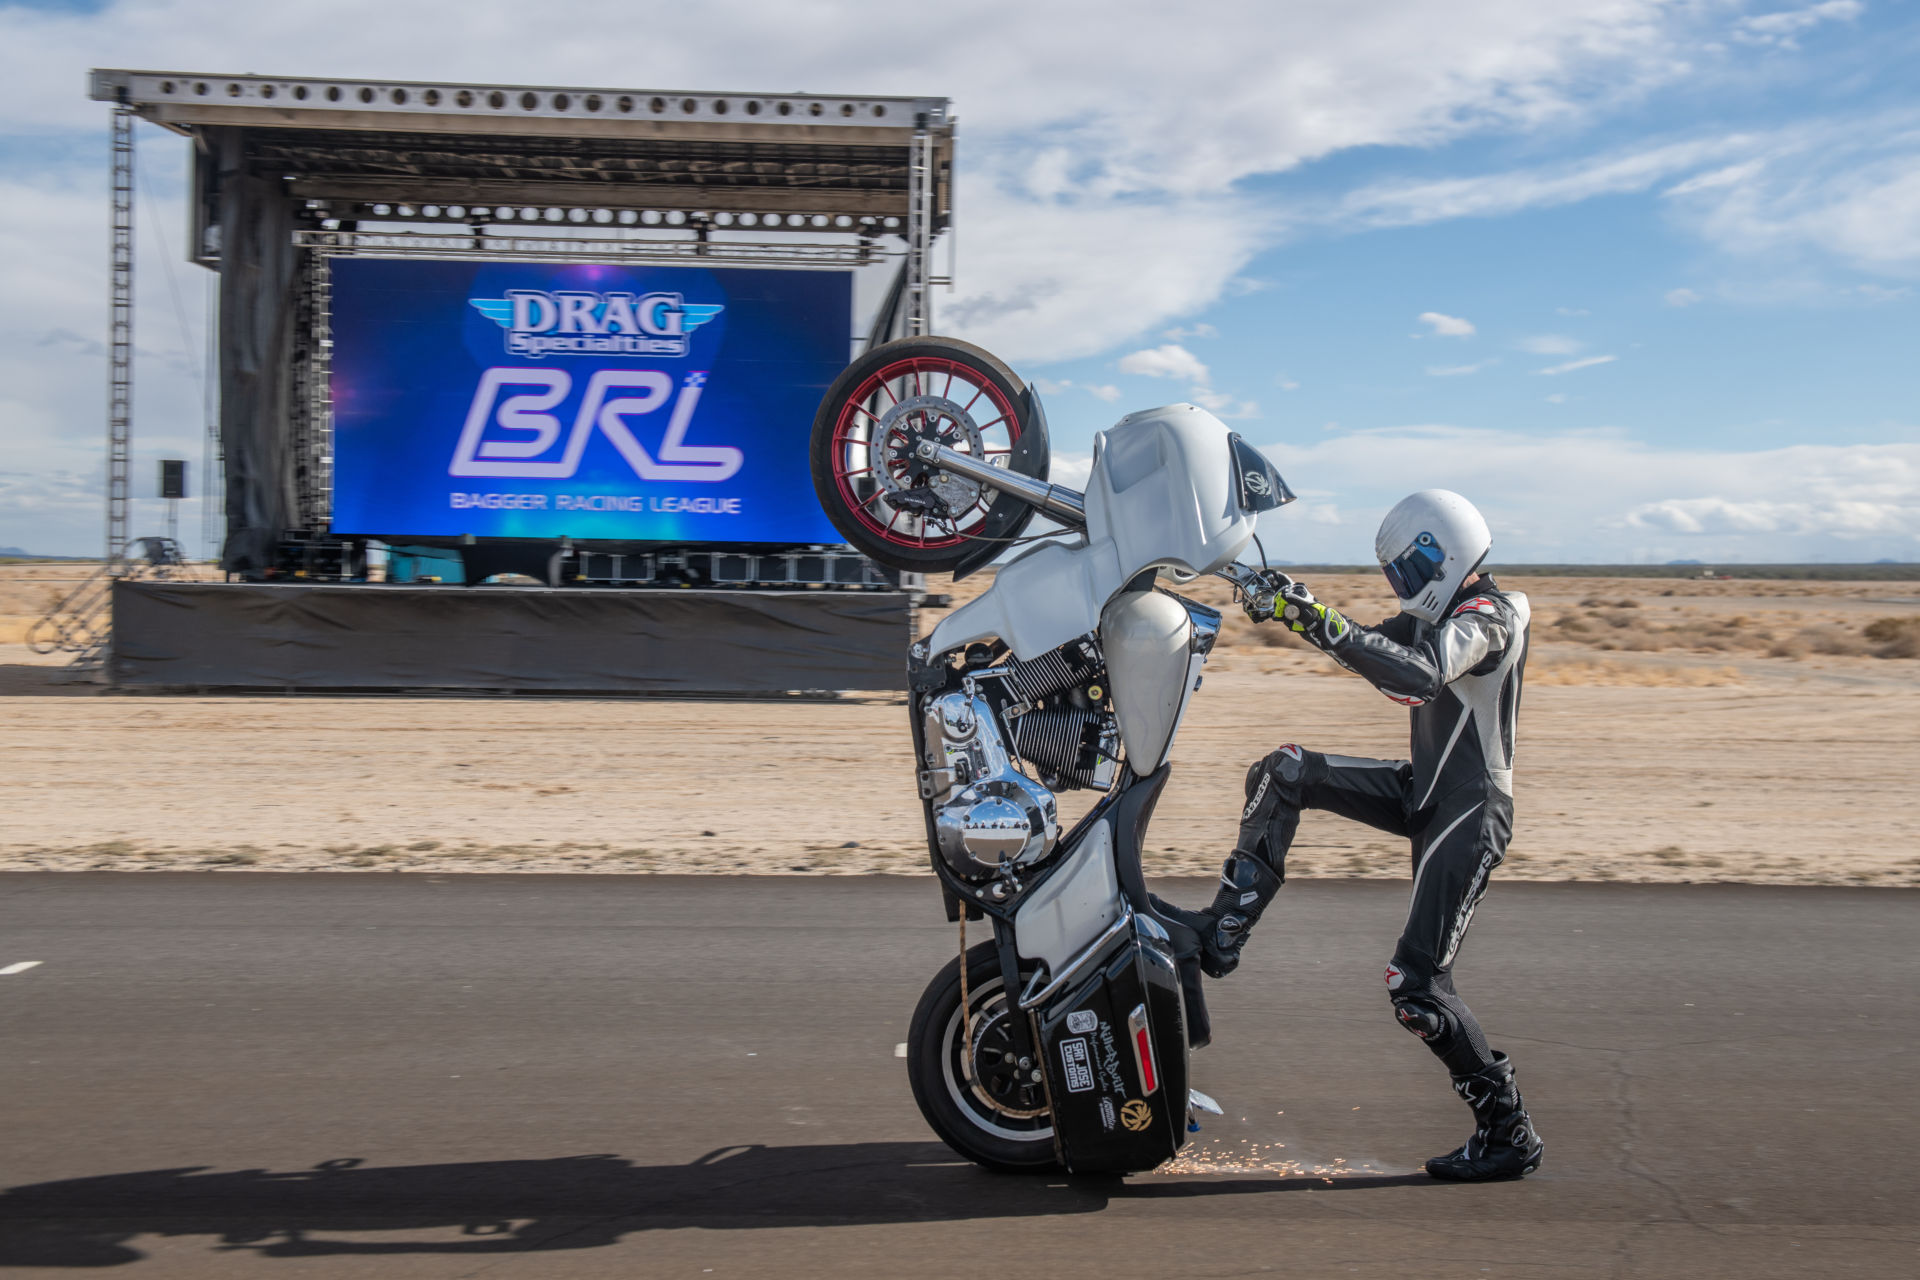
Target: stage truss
[{"x": 416, "y": 169}]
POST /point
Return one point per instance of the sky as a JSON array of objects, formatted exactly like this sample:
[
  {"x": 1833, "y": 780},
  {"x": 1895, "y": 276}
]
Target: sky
[{"x": 1639, "y": 277}]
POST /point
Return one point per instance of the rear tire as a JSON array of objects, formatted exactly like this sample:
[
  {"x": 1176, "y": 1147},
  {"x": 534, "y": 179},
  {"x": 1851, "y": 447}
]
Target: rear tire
[
  {"x": 888, "y": 505},
  {"x": 993, "y": 1120}
]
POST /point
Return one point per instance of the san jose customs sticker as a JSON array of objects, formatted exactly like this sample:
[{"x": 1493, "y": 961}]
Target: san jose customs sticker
[{"x": 1077, "y": 1065}]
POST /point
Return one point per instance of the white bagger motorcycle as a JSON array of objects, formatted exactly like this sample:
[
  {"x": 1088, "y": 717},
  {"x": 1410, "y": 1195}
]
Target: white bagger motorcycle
[{"x": 1064, "y": 1040}]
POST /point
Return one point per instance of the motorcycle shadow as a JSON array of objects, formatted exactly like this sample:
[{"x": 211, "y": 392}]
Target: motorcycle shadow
[{"x": 527, "y": 1206}]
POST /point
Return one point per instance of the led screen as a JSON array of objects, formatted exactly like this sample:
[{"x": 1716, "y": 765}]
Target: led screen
[{"x": 586, "y": 401}]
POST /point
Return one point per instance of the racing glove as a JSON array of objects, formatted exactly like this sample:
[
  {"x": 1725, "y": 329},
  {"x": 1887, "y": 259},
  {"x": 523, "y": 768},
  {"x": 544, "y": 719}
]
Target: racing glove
[{"x": 1319, "y": 625}]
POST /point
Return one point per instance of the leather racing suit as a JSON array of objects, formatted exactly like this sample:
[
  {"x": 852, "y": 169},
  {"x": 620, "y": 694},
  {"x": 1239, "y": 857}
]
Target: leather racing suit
[{"x": 1453, "y": 798}]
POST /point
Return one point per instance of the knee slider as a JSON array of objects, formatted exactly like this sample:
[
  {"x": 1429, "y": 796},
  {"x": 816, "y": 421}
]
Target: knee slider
[{"x": 1422, "y": 1017}]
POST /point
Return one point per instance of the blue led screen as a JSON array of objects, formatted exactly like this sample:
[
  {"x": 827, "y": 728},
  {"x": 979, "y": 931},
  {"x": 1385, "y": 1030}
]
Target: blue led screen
[{"x": 587, "y": 401}]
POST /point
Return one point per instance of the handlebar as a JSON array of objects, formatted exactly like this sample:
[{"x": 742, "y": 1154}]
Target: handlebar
[{"x": 1257, "y": 587}]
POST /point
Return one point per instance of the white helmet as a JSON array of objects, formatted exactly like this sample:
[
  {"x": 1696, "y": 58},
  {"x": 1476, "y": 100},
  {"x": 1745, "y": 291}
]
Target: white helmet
[{"x": 1428, "y": 545}]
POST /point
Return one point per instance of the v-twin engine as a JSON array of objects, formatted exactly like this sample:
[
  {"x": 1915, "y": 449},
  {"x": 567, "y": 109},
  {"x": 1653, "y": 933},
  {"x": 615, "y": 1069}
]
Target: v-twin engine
[
  {"x": 990, "y": 816},
  {"x": 987, "y": 814}
]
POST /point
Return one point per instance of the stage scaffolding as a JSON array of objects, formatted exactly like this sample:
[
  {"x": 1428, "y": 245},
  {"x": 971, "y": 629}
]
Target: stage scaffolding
[{"x": 289, "y": 173}]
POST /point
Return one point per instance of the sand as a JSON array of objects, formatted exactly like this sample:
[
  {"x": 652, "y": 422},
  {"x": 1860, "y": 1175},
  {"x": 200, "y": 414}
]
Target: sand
[{"x": 1672, "y": 731}]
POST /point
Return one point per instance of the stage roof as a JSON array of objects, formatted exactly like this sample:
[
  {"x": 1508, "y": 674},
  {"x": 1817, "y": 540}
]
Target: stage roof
[{"x": 407, "y": 144}]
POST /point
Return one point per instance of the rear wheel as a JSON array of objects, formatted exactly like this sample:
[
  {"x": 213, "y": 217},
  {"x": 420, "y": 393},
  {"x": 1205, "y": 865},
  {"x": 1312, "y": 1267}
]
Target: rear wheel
[
  {"x": 973, "y": 1088},
  {"x": 889, "y": 504}
]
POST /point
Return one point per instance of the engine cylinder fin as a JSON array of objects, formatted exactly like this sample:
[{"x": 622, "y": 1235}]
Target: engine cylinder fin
[
  {"x": 1076, "y": 747},
  {"x": 1075, "y": 663}
]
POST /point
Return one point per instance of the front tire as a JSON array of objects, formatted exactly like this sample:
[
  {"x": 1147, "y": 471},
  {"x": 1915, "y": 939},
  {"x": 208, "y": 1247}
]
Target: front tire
[
  {"x": 999, "y": 1117},
  {"x": 890, "y": 506}
]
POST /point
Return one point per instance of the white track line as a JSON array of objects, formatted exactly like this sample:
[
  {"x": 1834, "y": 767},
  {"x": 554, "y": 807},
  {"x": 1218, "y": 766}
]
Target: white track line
[{"x": 21, "y": 967}]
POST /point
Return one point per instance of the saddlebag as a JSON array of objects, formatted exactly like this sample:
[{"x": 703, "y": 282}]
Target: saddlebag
[{"x": 1115, "y": 1047}]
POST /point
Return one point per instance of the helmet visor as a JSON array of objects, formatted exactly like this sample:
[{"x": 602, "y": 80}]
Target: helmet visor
[{"x": 1410, "y": 572}]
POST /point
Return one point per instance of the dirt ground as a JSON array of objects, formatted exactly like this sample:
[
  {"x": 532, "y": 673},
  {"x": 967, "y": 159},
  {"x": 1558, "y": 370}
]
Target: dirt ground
[{"x": 1673, "y": 730}]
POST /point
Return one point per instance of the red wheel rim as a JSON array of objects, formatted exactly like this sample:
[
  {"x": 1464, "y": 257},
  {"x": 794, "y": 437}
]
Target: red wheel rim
[{"x": 872, "y": 426}]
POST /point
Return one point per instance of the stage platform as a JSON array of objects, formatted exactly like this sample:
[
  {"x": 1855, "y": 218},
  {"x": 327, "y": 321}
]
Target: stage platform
[{"x": 505, "y": 639}]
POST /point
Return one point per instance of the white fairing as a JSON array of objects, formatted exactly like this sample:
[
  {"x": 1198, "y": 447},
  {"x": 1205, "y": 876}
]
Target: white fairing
[
  {"x": 1072, "y": 907},
  {"x": 1147, "y": 640},
  {"x": 1161, "y": 493}
]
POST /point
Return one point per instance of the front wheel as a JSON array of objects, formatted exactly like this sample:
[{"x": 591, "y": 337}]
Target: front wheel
[
  {"x": 889, "y": 504},
  {"x": 974, "y": 1090}
]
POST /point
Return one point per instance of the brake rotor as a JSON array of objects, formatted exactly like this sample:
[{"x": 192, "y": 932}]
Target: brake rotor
[{"x": 910, "y": 483}]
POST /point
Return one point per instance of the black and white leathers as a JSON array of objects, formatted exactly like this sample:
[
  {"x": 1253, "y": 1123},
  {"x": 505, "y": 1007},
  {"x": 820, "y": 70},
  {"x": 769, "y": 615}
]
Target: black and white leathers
[
  {"x": 1452, "y": 799},
  {"x": 1461, "y": 676}
]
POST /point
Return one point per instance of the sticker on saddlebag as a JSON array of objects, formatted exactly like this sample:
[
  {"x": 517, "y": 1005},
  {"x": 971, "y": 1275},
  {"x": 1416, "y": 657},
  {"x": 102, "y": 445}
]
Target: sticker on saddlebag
[
  {"x": 1079, "y": 1071},
  {"x": 1081, "y": 1020}
]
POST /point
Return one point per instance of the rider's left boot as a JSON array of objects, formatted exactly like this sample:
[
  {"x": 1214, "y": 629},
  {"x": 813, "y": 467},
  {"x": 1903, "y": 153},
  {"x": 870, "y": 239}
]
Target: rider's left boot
[
  {"x": 1504, "y": 1143},
  {"x": 1247, "y": 888}
]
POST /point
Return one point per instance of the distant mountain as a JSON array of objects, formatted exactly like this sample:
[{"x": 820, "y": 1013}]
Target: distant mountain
[
  {"x": 19, "y": 553},
  {"x": 1686, "y": 562}
]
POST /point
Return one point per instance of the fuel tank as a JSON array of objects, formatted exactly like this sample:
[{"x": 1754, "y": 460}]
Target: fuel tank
[{"x": 1152, "y": 668}]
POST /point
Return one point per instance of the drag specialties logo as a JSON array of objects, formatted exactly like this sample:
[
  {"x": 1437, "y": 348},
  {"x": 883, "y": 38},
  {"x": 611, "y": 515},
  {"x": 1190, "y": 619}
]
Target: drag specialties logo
[
  {"x": 1081, "y": 1020},
  {"x": 514, "y": 435},
  {"x": 582, "y": 323}
]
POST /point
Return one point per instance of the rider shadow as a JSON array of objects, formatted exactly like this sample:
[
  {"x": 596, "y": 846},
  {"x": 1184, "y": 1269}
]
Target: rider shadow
[{"x": 528, "y": 1206}]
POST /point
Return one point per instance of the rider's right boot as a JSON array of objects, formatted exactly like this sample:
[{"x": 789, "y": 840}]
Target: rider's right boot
[
  {"x": 1504, "y": 1143},
  {"x": 1247, "y": 888}
]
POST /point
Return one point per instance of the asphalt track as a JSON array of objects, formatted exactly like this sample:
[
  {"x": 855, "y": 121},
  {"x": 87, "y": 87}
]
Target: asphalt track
[{"x": 250, "y": 1075}]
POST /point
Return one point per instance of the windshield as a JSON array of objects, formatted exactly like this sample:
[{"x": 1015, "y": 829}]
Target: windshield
[{"x": 1255, "y": 481}]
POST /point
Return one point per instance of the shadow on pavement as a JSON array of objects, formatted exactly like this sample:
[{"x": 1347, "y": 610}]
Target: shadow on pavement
[{"x": 526, "y": 1206}]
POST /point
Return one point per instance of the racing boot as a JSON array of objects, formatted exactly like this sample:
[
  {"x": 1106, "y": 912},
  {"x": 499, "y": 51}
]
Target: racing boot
[
  {"x": 1504, "y": 1143},
  {"x": 1247, "y": 887}
]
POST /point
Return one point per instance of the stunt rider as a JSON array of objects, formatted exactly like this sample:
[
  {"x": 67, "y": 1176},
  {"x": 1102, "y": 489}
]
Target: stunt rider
[{"x": 1454, "y": 654}]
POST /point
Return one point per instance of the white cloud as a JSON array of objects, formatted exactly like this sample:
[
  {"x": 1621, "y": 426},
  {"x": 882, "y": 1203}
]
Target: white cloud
[
  {"x": 1099, "y": 391},
  {"x": 1781, "y": 28},
  {"x": 1681, "y": 297},
  {"x": 1177, "y": 334},
  {"x": 1601, "y": 496},
  {"x": 1550, "y": 344},
  {"x": 1169, "y": 361},
  {"x": 1285, "y": 383},
  {"x": 1221, "y": 404},
  {"x": 1558, "y": 397},
  {"x": 1446, "y": 326},
  {"x": 1457, "y": 370},
  {"x": 1571, "y": 365}
]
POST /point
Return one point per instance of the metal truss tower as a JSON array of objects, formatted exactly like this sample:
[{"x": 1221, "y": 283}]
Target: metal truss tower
[{"x": 120, "y": 335}]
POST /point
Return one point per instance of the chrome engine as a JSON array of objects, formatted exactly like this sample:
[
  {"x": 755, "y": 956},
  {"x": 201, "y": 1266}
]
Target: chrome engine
[{"x": 988, "y": 816}]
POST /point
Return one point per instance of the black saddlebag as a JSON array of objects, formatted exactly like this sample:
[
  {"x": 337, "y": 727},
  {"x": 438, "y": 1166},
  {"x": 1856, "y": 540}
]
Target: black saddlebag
[{"x": 1115, "y": 1046}]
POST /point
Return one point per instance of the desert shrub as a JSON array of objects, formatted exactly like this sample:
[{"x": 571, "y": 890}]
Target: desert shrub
[
  {"x": 1894, "y": 637},
  {"x": 1835, "y": 640}
]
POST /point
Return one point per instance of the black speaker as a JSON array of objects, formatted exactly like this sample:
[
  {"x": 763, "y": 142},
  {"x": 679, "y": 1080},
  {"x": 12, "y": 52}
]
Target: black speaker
[{"x": 173, "y": 478}]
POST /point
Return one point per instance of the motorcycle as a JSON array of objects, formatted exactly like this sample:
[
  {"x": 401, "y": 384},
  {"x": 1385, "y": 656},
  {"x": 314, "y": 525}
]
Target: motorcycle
[{"x": 1064, "y": 1040}]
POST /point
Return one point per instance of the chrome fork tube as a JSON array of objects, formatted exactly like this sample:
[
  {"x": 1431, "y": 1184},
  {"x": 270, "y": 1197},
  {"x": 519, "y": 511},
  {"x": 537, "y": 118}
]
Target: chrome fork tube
[{"x": 1064, "y": 505}]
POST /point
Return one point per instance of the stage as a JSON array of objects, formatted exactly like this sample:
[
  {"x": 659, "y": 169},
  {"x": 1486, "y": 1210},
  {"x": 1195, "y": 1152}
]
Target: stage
[{"x": 376, "y": 637}]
